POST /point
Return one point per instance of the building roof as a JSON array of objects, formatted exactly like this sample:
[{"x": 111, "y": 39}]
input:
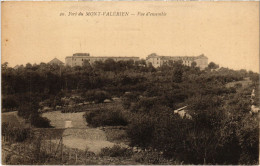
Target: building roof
[
  {"x": 16, "y": 67},
  {"x": 176, "y": 57},
  {"x": 107, "y": 57},
  {"x": 202, "y": 56},
  {"x": 56, "y": 61},
  {"x": 81, "y": 54}
]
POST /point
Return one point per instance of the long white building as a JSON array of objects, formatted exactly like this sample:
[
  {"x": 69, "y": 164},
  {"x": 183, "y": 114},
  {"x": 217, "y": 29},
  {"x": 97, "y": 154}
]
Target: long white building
[
  {"x": 157, "y": 61},
  {"x": 78, "y": 59}
]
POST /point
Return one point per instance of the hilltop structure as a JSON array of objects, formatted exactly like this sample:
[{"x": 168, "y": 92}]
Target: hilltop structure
[
  {"x": 78, "y": 59},
  {"x": 157, "y": 61},
  {"x": 56, "y": 61},
  {"x": 16, "y": 67}
]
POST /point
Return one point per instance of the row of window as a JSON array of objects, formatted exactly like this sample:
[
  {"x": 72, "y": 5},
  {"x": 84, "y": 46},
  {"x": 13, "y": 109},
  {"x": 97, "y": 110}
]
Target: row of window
[
  {"x": 185, "y": 62},
  {"x": 101, "y": 59}
]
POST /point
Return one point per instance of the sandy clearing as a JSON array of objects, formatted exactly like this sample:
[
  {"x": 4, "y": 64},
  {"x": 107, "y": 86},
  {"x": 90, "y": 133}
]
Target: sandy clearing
[
  {"x": 80, "y": 136},
  {"x": 58, "y": 119}
]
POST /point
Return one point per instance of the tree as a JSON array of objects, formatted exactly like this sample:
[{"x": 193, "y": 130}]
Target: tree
[
  {"x": 177, "y": 72},
  {"x": 151, "y": 68},
  {"x": 86, "y": 66},
  {"x": 109, "y": 65},
  {"x": 140, "y": 131},
  {"x": 4, "y": 66},
  {"x": 28, "y": 66},
  {"x": 170, "y": 62},
  {"x": 193, "y": 64},
  {"x": 10, "y": 102},
  {"x": 212, "y": 65},
  {"x": 142, "y": 62}
]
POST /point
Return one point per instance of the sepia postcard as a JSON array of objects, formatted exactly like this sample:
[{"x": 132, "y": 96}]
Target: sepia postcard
[{"x": 129, "y": 83}]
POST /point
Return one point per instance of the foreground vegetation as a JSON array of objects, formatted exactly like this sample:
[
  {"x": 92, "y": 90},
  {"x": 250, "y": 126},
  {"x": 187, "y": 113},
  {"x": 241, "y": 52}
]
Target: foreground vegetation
[{"x": 221, "y": 130}]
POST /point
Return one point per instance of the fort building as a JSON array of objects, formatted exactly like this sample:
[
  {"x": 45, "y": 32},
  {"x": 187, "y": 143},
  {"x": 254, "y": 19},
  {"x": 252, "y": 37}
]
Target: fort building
[
  {"x": 78, "y": 58},
  {"x": 157, "y": 60},
  {"x": 56, "y": 61}
]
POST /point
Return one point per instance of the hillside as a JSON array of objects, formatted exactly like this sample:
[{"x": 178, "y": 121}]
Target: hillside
[{"x": 137, "y": 105}]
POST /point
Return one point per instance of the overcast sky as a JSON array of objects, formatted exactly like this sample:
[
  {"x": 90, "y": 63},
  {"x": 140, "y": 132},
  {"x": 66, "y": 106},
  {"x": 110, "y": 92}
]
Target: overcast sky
[{"x": 226, "y": 32}]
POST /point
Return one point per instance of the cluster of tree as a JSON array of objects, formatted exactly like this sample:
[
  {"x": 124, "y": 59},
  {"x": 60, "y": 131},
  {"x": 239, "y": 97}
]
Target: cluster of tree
[
  {"x": 221, "y": 130},
  {"x": 214, "y": 134},
  {"x": 51, "y": 79},
  {"x": 29, "y": 110},
  {"x": 105, "y": 117}
]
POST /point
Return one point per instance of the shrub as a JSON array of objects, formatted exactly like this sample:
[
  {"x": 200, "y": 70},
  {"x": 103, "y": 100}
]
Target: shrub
[
  {"x": 103, "y": 117},
  {"x": 140, "y": 131},
  {"x": 116, "y": 151},
  {"x": 40, "y": 122},
  {"x": 238, "y": 85},
  {"x": 27, "y": 109},
  {"x": 73, "y": 109},
  {"x": 97, "y": 96},
  {"x": 144, "y": 105},
  {"x": 10, "y": 102},
  {"x": 204, "y": 102},
  {"x": 248, "y": 137},
  {"x": 17, "y": 134},
  {"x": 129, "y": 98},
  {"x": 126, "y": 103},
  {"x": 149, "y": 157}
]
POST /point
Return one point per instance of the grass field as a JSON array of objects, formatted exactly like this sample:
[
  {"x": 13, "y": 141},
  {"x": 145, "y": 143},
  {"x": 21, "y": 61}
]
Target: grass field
[
  {"x": 14, "y": 119},
  {"x": 246, "y": 82}
]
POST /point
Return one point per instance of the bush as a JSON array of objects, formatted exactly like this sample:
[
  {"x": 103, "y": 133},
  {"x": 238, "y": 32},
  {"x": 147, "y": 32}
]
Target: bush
[
  {"x": 116, "y": 151},
  {"x": 40, "y": 122},
  {"x": 10, "y": 102},
  {"x": 17, "y": 134},
  {"x": 28, "y": 109},
  {"x": 204, "y": 102},
  {"x": 103, "y": 117},
  {"x": 140, "y": 131},
  {"x": 238, "y": 85},
  {"x": 73, "y": 109},
  {"x": 97, "y": 96},
  {"x": 149, "y": 157},
  {"x": 145, "y": 105},
  {"x": 129, "y": 98},
  {"x": 248, "y": 138}
]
